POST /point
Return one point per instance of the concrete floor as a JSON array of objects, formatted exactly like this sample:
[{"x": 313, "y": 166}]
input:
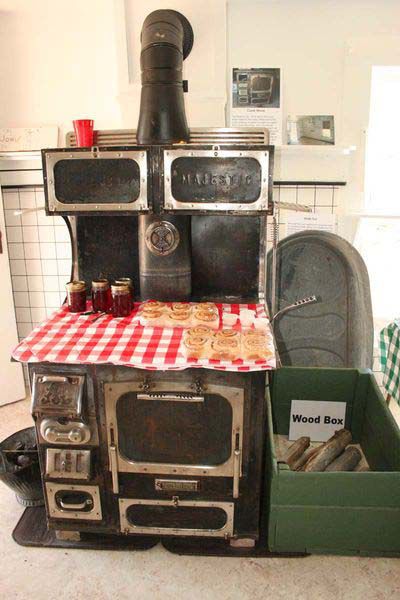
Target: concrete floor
[{"x": 30, "y": 573}]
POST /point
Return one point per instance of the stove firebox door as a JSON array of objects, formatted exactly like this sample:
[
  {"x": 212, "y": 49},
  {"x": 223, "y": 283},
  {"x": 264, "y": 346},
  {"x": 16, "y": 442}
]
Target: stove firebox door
[{"x": 172, "y": 431}]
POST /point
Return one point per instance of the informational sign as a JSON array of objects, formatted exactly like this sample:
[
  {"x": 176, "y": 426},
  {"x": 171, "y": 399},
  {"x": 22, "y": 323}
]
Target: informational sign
[
  {"x": 316, "y": 419},
  {"x": 257, "y": 100},
  {"x": 299, "y": 221}
]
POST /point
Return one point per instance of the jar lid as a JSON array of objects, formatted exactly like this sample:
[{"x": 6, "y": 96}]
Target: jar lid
[
  {"x": 120, "y": 288},
  {"x": 124, "y": 281},
  {"x": 100, "y": 283},
  {"x": 75, "y": 286}
]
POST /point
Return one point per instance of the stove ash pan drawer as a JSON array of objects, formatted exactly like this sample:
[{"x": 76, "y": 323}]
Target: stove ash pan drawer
[{"x": 176, "y": 517}]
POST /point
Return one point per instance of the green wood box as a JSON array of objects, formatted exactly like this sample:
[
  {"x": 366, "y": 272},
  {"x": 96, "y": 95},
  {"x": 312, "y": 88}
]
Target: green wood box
[{"x": 335, "y": 513}]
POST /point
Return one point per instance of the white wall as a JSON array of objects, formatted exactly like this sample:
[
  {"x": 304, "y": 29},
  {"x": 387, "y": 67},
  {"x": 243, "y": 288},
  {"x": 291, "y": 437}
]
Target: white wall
[
  {"x": 314, "y": 41},
  {"x": 205, "y": 67},
  {"x": 58, "y": 62}
]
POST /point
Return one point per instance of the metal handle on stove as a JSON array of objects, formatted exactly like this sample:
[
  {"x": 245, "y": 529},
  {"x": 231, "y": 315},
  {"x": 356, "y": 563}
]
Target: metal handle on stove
[
  {"x": 54, "y": 379},
  {"x": 171, "y": 397},
  {"x": 75, "y": 505}
]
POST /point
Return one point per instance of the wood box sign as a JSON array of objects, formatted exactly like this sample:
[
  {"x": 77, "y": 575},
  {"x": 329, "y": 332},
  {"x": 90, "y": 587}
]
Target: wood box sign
[
  {"x": 96, "y": 180},
  {"x": 215, "y": 180}
]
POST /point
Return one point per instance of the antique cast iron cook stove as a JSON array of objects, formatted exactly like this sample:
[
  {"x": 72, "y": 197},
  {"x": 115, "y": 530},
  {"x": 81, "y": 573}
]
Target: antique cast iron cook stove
[{"x": 161, "y": 453}]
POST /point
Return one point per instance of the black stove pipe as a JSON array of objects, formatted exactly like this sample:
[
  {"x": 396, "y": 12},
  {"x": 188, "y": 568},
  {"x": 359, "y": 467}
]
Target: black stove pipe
[
  {"x": 164, "y": 241},
  {"x": 162, "y": 118}
]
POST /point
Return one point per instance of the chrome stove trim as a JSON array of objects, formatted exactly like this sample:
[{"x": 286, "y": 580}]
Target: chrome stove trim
[
  {"x": 139, "y": 205},
  {"x": 261, "y": 204},
  {"x": 119, "y": 463},
  {"x": 225, "y": 531}
]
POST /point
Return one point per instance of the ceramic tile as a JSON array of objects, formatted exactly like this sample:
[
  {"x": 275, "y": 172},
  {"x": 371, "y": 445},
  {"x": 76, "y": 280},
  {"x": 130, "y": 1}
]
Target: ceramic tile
[
  {"x": 63, "y": 250},
  {"x": 43, "y": 219},
  {"x": 23, "y": 315},
  {"x": 38, "y": 313},
  {"x": 19, "y": 283},
  {"x": 30, "y": 234},
  {"x": 11, "y": 200},
  {"x": 35, "y": 283},
  {"x": 15, "y": 250},
  {"x": 21, "y": 299},
  {"x": 12, "y": 220},
  {"x": 24, "y": 329},
  {"x": 36, "y": 299},
  {"x": 14, "y": 234},
  {"x": 39, "y": 195},
  {"x": 17, "y": 267},
  {"x": 50, "y": 283},
  {"x": 62, "y": 234},
  {"x": 32, "y": 250},
  {"x": 29, "y": 218},
  {"x": 50, "y": 267},
  {"x": 34, "y": 267},
  {"x": 46, "y": 233},
  {"x": 48, "y": 250},
  {"x": 62, "y": 280},
  {"x": 52, "y": 299},
  {"x": 64, "y": 267},
  {"x": 27, "y": 199}
]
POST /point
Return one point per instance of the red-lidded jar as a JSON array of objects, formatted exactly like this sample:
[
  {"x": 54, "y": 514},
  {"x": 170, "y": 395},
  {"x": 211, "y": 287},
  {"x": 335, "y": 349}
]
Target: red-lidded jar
[
  {"x": 76, "y": 296},
  {"x": 126, "y": 281},
  {"x": 101, "y": 295},
  {"x": 121, "y": 300}
]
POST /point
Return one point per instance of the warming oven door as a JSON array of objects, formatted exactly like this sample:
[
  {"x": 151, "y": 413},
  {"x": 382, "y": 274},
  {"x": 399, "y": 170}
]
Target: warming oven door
[
  {"x": 96, "y": 180},
  {"x": 172, "y": 430}
]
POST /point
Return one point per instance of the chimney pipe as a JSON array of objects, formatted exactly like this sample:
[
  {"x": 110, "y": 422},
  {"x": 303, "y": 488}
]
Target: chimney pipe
[{"x": 167, "y": 38}]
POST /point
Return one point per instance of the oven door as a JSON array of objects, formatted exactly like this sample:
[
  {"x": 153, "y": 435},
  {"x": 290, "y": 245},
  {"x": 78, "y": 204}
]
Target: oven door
[{"x": 172, "y": 431}]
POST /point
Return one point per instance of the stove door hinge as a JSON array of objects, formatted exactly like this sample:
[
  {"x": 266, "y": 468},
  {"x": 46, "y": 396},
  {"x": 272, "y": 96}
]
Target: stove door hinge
[{"x": 237, "y": 459}]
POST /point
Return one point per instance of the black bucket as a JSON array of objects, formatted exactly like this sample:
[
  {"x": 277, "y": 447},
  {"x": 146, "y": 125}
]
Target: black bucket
[{"x": 19, "y": 467}]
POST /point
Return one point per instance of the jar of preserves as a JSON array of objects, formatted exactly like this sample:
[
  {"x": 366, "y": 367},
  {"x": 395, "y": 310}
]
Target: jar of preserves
[
  {"x": 101, "y": 295},
  {"x": 126, "y": 281},
  {"x": 121, "y": 300},
  {"x": 76, "y": 296}
]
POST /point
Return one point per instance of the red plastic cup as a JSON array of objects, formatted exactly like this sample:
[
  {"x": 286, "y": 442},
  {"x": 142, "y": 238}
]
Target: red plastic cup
[{"x": 83, "y": 132}]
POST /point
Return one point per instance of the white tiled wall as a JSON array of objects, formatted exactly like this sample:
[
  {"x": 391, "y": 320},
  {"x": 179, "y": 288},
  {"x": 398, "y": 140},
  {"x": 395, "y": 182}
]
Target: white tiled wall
[{"x": 40, "y": 256}]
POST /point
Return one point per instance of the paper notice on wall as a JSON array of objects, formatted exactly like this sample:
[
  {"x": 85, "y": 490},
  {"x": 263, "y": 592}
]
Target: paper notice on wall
[
  {"x": 257, "y": 100},
  {"x": 297, "y": 221},
  {"x": 28, "y": 138}
]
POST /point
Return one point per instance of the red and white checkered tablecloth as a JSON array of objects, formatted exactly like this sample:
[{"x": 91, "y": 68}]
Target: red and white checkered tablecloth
[{"x": 72, "y": 338}]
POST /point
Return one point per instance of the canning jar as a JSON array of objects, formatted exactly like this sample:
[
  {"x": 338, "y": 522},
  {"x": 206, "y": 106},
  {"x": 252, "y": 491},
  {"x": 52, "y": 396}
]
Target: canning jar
[
  {"x": 121, "y": 300},
  {"x": 76, "y": 296},
  {"x": 126, "y": 281},
  {"x": 101, "y": 295}
]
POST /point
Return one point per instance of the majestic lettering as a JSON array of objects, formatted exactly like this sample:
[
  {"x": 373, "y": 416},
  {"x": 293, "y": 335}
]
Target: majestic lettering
[{"x": 208, "y": 178}]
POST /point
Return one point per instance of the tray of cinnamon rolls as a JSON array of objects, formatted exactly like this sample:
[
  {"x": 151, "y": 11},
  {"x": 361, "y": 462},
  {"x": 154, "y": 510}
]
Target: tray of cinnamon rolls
[
  {"x": 179, "y": 314},
  {"x": 226, "y": 344}
]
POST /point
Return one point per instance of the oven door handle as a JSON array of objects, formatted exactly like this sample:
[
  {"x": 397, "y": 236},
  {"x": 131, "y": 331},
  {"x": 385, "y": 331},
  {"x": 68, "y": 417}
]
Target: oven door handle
[
  {"x": 171, "y": 397},
  {"x": 75, "y": 505}
]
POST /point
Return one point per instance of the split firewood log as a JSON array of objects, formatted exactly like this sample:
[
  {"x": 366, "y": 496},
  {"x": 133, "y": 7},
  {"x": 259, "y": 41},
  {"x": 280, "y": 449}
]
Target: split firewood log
[
  {"x": 347, "y": 461},
  {"x": 296, "y": 450},
  {"x": 330, "y": 450},
  {"x": 299, "y": 464}
]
